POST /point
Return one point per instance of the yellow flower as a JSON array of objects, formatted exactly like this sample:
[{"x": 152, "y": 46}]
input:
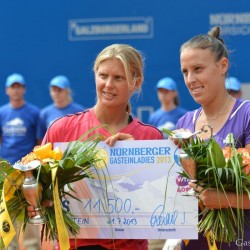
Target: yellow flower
[{"x": 43, "y": 151}]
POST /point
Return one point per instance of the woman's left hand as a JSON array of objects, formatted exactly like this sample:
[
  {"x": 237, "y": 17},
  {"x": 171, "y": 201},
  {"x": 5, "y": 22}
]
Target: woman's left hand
[
  {"x": 210, "y": 197},
  {"x": 118, "y": 137}
]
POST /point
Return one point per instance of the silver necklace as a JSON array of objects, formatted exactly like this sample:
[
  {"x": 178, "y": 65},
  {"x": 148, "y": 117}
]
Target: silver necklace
[{"x": 219, "y": 114}]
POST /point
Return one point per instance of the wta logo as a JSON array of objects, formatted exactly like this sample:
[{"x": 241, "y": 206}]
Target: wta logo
[
  {"x": 182, "y": 184},
  {"x": 181, "y": 181}
]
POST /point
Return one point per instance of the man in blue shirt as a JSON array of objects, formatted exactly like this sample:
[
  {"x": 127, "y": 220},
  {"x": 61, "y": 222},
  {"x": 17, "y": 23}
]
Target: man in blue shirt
[
  {"x": 18, "y": 122},
  {"x": 60, "y": 92}
]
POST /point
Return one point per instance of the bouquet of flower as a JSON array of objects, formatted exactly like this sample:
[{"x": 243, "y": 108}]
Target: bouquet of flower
[
  {"x": 226, "y": 170},
  {"x": 53, "y": 172}
]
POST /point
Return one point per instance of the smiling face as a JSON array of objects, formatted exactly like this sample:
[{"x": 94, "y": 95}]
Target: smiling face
[
  {"x": 203, "y": 76},
  {"x": 113, "y": 87}
]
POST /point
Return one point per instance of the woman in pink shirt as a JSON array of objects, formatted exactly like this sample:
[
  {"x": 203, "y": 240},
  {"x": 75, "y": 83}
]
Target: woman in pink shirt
[{"x": 118, "y": 75}]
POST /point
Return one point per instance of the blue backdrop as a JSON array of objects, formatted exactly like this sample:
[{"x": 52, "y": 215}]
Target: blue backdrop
[{"x": 41, "y": 39}]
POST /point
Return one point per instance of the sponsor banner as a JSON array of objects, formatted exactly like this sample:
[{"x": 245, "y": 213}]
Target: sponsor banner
[
  {"x": 110, "y": 28},
  {"x": 231, "y": 23}
]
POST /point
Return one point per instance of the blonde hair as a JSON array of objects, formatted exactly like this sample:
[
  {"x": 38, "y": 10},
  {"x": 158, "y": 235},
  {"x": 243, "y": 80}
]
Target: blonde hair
[{"x": 131, "y": 59}]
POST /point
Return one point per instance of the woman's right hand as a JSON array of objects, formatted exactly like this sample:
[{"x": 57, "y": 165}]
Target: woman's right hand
[{"x": 31, "y": 210}]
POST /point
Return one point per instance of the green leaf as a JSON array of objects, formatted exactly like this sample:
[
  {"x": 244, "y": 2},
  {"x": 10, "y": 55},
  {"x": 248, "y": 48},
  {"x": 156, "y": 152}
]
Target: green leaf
[
  {"x": 67, "y": 163},
  {"x": 215, "y": 154}
]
